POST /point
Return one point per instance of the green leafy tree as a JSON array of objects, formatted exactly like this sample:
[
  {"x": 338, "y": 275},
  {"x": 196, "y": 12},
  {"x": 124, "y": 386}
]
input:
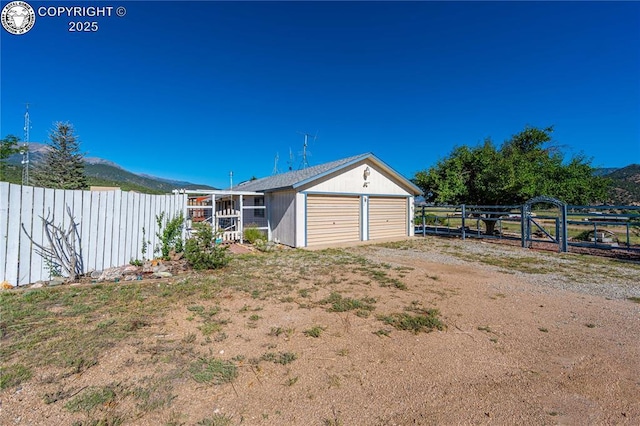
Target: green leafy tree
[
  {"x": 525, "y": 166},
  {"x": 63, "y": 164},
  {"x": 8, "y": 147}
]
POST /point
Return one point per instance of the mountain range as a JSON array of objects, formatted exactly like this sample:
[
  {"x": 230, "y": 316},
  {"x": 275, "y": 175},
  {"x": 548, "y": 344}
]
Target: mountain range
[
  {"x": 625, "y": 188},
  {"x": 101, "y": 172}
]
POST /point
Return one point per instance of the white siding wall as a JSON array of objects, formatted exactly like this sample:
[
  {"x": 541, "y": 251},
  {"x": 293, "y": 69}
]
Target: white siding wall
[
  {"x": 282, "y": 216},
  {"x": 109, "y": 226}
]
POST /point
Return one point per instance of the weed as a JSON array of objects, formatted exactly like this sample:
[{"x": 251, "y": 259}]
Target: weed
[
  {"x": 426, "y": 321},
  {"x": 343, "y": 352},
  {"x": 485, "y": 328},
  {"x": 343, "y": 304},
  {"x": 544, "y": 330},
  {"x": 634, "y": 299},
  {"x": 212, "y": 370},
  {"x": 189, "y": 338},
  {"x": 254, "y": 317},
  {"x": 283, "y": 358},
  {"x": 276, "y": 331},
  {"x": 591, "y": 325},
  {"x": 216, "y": 420},
  {"x": 315, "y": 331},
  {"x": 291, "y": 381},
  {"x": 304, "y": 292},
  {"x": 382, "y": 332}
]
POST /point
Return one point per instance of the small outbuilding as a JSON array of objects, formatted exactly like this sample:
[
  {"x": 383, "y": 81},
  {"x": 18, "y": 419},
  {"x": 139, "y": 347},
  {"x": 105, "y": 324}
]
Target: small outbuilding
[{"x": 354, "y": 199}]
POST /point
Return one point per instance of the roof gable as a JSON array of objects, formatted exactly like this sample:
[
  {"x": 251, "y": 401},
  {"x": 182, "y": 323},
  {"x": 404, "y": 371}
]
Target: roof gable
[{"x": 297, "y": 178}]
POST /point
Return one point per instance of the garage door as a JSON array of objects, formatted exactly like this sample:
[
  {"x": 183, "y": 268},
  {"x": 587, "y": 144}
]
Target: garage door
[
  {"x": 387, "y": 217},
  {"x": 332, "y": 219}
]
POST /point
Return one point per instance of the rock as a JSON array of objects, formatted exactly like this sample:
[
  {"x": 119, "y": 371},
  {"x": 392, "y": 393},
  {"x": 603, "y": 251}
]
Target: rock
[
  {"x": 111, "y": 274},
  {"x": 147, "y": 267},
  {"x": 38, "y": 284},
  {"x": 131, "y": 270},
  {"x": 96, "y": 274},
  {"x": 162, "y": 274},
  {"x": 160, "y": 268},
  {"x": 177, "y": 256},
  {"x": 55, "y": 281}
]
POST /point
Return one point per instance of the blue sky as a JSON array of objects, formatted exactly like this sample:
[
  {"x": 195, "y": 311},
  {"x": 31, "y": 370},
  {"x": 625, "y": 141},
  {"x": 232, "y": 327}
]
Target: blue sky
[{"x": 194, "y": 90}]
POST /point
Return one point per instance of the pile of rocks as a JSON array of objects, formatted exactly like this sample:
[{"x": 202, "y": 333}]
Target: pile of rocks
[{"x": 149, "y": 269}]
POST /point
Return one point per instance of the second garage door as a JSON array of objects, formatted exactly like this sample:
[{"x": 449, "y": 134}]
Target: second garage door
[
  {"x": 332, "y": 219},
  {"x": 387, "y": 217}
]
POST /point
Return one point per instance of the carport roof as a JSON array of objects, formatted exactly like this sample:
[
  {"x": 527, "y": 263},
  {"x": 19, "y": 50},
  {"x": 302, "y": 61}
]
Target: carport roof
[{"x": 297, "y": 178}]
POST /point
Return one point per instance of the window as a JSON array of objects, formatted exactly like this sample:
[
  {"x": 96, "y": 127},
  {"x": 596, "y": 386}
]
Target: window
[{"x": 258, "y": 201}]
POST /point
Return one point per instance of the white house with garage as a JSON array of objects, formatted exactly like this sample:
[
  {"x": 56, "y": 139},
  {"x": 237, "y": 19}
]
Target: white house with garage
[{"x": 359, "y": 198}]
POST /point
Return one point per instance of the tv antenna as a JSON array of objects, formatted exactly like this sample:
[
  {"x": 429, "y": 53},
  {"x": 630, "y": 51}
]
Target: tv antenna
[
  {"x": 25, "y": 148},
  {"x": 305, "y": 153},
  {"x": 290, "y": 162},
  {"x": 275, "y": 164}
]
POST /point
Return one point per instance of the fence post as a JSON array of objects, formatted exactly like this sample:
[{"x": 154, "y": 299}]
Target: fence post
[
  {"x": 523, "y": 226},
  {"x": 464, "y": 214},
  {"x": 564, "y": 245},
  {"x": 424, "y": 223}
]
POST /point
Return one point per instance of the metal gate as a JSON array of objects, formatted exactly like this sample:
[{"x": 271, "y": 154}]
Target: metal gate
[{"x": 541, "y": 232}]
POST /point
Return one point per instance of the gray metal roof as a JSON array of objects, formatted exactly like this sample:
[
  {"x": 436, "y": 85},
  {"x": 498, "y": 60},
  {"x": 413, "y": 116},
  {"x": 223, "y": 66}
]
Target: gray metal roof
[{"x": 296, "y": 178}]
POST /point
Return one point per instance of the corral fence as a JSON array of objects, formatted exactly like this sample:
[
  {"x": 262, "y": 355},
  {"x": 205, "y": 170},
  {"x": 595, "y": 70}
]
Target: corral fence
[
  {"x": 111, "y": 227},
  {"x": 541, "y": 220}
]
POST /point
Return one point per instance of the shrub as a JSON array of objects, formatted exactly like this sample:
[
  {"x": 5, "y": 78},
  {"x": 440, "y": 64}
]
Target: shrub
[
  {"x": 170, "y": 234},
  {"x": 252, "y": 234},
  {"x": 201, "y": 251}
]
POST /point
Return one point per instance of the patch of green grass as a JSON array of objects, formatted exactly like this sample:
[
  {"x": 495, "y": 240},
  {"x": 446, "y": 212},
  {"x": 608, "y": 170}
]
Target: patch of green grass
[
  {"x": 13, "y": 375},
  {"x": 213, "y": 370},
  {"x": 283, "y": 358},
  {"x": 92, "y": 398},
  {"x": 424, "y": 322},
  {"x": 315, "y": 331},
  {"x": 254, "y": 317},
  {"x": 634, "y": 299},
  {"x": 210, "y": 327}
]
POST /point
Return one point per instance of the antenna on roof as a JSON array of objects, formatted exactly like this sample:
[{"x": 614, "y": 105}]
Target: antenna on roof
[
  {"x": 231, "y": 180},
  {"x": 290, "y": 162},
  {"x": 25, "y": 148},
  {"x": 305, "y": 153},
  {"x": 275, "y": 164}
]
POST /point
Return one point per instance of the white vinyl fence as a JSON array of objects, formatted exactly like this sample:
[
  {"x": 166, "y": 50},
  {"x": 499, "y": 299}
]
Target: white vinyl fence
[{"x": 112, "y": 227}]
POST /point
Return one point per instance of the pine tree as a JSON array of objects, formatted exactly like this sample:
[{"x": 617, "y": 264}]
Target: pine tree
[
  {"x": 63, "y": 164},
  {"x": 8, "y": 147}
]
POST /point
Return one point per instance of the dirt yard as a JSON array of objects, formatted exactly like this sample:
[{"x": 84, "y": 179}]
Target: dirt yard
[{"x": 528, "y": 338}]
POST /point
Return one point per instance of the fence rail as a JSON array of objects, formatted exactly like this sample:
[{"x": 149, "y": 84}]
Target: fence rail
[
  {"x": 113, "y": 227},
  {"x": 601, "y": 227}
]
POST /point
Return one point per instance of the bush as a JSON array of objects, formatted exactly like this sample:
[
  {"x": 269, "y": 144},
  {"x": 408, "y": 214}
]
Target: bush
[
  {"x": 252, "y": 234},
  {"x": 201, "y": 251},
  {"x": 170, "y": 234}
]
